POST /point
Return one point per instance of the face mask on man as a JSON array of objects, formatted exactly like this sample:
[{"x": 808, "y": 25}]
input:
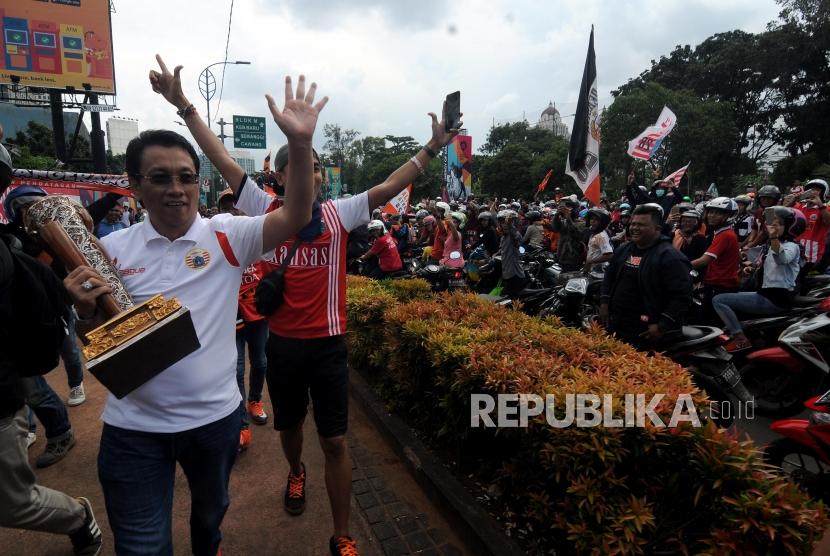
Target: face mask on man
[{"x": 659, "y": 192}]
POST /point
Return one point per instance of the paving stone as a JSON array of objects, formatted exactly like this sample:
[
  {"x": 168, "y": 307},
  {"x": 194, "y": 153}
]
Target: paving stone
[
  {"x": 429, "y": 552},
  {"x": 395, "y": 547},
  {"x": 374, "y": 515},
  {"x": 370, "y": 472},
  {"x": 407, "y": 524},
  {"x": 398, "y": 509},
  {"x": 451, "y": 550},
  {"x": 384, "y": 530},
  {"x": 437, "y": 536},
  {"x": 378, "y": 483},
  {"x": 366, "y": 501},
  {"x": 360, "y": 487},
  {"x": 387, "y": 496},
  {"x": 418, "y": 540}
]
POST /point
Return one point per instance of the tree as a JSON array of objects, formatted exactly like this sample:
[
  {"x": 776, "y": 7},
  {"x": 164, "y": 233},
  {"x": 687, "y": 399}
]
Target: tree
[
  {"x": 339, "y": 149},
  {"x": 507, "y": 173},
  {"x": 39, "y": 142},
  {"x": 705, "y": 134}
]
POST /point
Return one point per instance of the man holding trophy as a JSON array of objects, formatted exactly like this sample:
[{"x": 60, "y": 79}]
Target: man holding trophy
[{"x": 189, "y": 412}]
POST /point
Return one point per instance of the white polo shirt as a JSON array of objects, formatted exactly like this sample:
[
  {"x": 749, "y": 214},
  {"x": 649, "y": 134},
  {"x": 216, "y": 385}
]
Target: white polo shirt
[{"x": 203, "y": 269}]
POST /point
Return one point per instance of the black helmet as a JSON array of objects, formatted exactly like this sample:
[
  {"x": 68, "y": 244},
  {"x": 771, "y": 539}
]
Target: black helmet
[
  {"x": 486, "y": 215},
  {"x": 533, "y": 216},
  {"x": 684, "y": 207},
  {"x": 769, "y": 191},
  {"x": 602, "y": 215},
  {"x": 794, "y": 221}
]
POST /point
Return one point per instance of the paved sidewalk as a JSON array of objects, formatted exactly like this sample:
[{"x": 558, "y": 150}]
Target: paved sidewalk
[{"x": 256, "y": 522}]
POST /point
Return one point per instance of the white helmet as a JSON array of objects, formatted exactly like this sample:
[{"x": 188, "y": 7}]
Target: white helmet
[
  {"x": 722, "y": 203},
  {"x": 504, "y": 214},
  {"x": 443, "y": 207},
  {"x": 376, "y": 225},
  {"x": 818, "y": 183}
]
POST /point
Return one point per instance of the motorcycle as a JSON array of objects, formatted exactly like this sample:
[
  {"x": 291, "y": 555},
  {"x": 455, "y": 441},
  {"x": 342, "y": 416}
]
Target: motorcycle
[
  {"x": 576, "y": 301},
  {"x": 781, "y": 376},
  {"x": 700, "y": 350},
  {"x": 443, "y": 278},
  {"x": 803, "y": 452}
]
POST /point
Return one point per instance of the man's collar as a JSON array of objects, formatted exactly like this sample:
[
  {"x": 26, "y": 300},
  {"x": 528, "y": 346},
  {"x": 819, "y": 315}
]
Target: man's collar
[
  {"x": 722, "y": 229},
  {"x": 150, "y": 233}
]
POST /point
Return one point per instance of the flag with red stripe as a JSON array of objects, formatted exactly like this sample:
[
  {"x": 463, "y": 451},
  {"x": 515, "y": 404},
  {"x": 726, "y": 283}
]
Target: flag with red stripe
[
  {"x": 545, "y": 181},
  {"x": 582, "y": 163},
  {"x": 677, "y": 175}
]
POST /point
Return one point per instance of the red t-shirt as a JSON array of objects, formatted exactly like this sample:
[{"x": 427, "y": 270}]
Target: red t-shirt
[
  {"x": 386, "y": 251},
  {"x": 250, "y": 280},
  {"x": 814, "y": 237},
  {"x": 723, "y": 271}
]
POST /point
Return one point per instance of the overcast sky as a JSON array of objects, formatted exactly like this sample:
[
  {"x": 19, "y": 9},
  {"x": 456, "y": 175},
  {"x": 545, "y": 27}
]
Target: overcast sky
[{"x": 385, "y": 64}]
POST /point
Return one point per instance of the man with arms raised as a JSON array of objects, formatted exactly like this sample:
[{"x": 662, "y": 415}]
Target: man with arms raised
[
  {"x": 189, "y": 413},
  {"x": 306, "y": 348}
]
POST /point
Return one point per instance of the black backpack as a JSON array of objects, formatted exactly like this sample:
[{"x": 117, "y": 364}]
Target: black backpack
[{"x": 39, "y": 308}]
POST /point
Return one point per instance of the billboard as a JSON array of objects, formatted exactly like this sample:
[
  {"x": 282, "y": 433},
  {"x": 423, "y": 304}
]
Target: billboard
[
  {"x": 458, "y": 168},
  {"x": 57, "y": 44},
  {"x": 334, "y": 187}
]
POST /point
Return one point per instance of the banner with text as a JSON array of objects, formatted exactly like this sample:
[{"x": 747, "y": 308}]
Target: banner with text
[
  {"x": 646, "y": 144},
  {"x": 400, "y": 202}
]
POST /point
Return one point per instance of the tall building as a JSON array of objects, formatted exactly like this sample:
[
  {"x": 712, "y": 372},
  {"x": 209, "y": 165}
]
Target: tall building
[
  {"x": 120, "y": 131},
  {"x": 552, "y": 121},
  {"x": 244, "y": 159}
]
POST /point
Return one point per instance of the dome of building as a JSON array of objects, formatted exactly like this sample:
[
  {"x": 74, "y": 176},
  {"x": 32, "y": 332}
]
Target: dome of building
[{"x": 551, "y": 110}]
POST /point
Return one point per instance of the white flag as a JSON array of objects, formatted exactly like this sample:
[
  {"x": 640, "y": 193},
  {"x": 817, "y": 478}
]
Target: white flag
[{"x": 646, "y": 144}]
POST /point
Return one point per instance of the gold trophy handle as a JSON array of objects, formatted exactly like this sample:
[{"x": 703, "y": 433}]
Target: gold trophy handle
[{"x": 66, "y": 250}]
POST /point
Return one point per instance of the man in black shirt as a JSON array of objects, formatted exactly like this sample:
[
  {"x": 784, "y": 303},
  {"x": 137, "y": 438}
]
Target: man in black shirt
[{"x": 647, "y": 288}]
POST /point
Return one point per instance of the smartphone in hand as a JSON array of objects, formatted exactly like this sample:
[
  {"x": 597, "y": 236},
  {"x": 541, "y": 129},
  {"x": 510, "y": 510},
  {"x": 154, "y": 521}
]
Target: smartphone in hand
[
  {"x": 769, "y": 215},
  {"x": 453, "y": 110}
]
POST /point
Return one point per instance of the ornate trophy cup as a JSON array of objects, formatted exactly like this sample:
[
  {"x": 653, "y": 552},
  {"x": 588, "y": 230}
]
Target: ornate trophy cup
[{"x": 137, "y": 342}]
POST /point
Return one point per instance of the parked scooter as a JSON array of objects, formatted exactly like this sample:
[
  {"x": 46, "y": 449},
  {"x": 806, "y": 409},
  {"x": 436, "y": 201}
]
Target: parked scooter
[
  {"x": 700, "y": 349},
  {"x": 781, "y": 377},
  {"x": 803, "y": 452},
  {"x": 443, "y": 278}
]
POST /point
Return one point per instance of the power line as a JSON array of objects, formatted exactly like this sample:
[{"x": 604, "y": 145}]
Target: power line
[{"x": 225, "y": 65}]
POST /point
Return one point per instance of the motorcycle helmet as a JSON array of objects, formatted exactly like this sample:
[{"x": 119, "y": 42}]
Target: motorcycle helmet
[
  {"x": 460, "y": 218},
  {"x": 19, "y": 197},
  {"x": 769, "y": 191},
  {"x": 819, "y": 184},
  {"x": 421, "y": 213},
  {"x": 583, "y": 213},
  {"x": 744, "y": 199},
  {"x": 533, "y": 216},
  {"x": 692, "y": 213},
  {"x": 507, "y": 213},
  {"x": 794, "y": 221},
  {"x": 724, "y": 204},
  {"x": 376, "y": 226},
  {"x": 625, "y": 206},
  {"x": 444, "y": 207},
  {"x": 515, "y": 206},
  {"x": 602, "y": 215},
  {"x": 485, "y": 215},
  {"x": 625, "y": 212},
  {"x": 550, "y": 204},
  {"x": 683, "y": 207},
  {"x": 429, "y": 220}
]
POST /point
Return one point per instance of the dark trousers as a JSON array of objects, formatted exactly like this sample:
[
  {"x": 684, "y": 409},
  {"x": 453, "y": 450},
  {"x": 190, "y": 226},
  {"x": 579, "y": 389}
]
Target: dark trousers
[
  {"x": 255, "y": 334},
  {"x": 137, "y": 471},
  {"x": 46, "y": 405}
]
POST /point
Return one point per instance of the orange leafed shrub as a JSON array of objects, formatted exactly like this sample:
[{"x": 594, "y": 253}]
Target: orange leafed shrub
[{"x": 626, "y": 490}]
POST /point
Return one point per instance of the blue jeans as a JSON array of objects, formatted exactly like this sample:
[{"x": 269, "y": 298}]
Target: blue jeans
[
  {"x": 47, "y": 406},
  {"x": 137, "y": 471},
  {"x": 71, "y": 355},
  {"x": 751, "y": 303},
  {"x": 255, "y": 334}
]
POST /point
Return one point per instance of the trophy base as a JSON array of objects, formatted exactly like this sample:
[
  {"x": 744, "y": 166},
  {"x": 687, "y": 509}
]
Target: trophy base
[
  {"x": 136, "y": 345},
  {"x": 142, "y": 357}
]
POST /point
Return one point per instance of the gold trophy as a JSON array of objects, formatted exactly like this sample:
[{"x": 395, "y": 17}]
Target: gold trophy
[{"x": 137, "y": 342}]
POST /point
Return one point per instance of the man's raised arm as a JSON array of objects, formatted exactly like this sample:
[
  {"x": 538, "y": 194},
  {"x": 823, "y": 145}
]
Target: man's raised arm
[
  {"x": 382, "y": 193},
  {"x": 169, "y": 85}
]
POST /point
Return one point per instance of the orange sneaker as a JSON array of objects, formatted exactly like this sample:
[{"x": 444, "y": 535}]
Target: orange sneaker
[
  {"x": 342, "y": 546},
  {"x": 244, "y": 439},
  {"x": 295, "y": 493},
  {"x": 257, "y": 414}
]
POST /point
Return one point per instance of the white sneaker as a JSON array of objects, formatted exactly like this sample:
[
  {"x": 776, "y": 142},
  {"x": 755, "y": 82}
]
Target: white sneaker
[
  {"x": 31, "y": 438},
  {"x": 76, "y": 396}
]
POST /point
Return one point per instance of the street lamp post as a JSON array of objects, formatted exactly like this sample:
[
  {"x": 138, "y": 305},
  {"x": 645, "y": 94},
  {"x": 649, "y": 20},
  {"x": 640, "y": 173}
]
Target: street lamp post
[{"x": 207, "y": 83}]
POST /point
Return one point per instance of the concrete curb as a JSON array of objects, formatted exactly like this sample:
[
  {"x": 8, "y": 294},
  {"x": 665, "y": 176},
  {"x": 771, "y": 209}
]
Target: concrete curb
[{"x": 476, "y": 528}]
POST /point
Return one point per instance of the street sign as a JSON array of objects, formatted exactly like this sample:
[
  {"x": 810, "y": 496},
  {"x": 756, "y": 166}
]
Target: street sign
[{"x": 248, "y": 132}]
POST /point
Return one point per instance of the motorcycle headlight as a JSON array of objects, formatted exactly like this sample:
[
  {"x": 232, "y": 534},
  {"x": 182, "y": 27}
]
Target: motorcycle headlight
[{"x": 577, "y": 285}]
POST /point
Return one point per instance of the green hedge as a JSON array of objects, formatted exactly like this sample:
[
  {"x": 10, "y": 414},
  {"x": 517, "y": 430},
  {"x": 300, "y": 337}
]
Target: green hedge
[{"x": 574, "y": 490}]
